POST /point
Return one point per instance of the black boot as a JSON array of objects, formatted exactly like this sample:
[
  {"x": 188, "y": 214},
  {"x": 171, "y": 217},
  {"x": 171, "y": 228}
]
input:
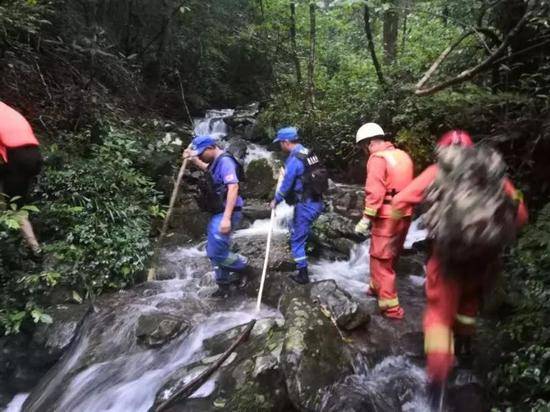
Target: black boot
[
  {"x": 222, "y": 291},
  {"x": 436, "y": 396},
  {"x": 302, "y": 277}
]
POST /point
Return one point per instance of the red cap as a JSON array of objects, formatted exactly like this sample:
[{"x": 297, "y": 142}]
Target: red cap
[{"x": 456, "y": 137}]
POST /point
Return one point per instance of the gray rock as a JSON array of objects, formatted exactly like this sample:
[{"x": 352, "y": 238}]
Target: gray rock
[
  {"x": 347, "y": 313},
  {"x": 157, "y": 328}
]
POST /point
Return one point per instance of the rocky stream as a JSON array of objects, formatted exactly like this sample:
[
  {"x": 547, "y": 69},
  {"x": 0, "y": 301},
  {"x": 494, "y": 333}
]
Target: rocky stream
[{"x": 319, "y": 347}]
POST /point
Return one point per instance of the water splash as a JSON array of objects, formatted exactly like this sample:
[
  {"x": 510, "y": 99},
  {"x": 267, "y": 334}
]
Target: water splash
[{"x": 283, "y": 218}]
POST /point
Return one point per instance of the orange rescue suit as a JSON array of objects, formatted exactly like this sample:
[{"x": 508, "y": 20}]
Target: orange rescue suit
[
  {"x": 452, "y": 303},
  {"x": 389, "y": 170},
  {"x": 15, "y": 131}
]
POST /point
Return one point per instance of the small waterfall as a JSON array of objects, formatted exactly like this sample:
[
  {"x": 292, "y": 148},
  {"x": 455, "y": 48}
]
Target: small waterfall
[{"x": 213, "y": 124}]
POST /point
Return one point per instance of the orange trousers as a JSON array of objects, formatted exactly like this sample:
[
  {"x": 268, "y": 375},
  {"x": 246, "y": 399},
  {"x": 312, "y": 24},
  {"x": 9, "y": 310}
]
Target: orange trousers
[
  {"x": 451, "y": 307},
  {"x": 387, "y": 238}
]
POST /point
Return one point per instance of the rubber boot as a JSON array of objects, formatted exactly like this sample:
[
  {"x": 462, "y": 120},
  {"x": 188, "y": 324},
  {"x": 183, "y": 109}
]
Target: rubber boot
[
  {"x": 436, "y": 396},
  {"x": 302, "y": 277},
  {"x": 222, "y": 291}
]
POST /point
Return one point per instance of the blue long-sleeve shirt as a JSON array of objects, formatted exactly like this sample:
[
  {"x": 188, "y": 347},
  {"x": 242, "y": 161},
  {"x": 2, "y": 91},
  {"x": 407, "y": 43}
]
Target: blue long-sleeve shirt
[{"x": 294, "y": 169}]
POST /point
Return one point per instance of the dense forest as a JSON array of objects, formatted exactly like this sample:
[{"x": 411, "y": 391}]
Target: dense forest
[{"x": 107, "y": 86}]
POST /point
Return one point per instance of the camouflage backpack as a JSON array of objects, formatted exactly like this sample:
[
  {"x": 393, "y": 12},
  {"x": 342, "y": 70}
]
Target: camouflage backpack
[{"x": 469, "y": 216}]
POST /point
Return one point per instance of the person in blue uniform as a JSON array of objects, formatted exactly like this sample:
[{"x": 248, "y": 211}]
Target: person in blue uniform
[
  {"x": 307, "y": 208},
  {"x": 220, "y": 198}
]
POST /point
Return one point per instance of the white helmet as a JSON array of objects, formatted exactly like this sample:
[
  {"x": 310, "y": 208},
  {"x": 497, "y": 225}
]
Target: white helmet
[{"x": 368, "y": 131}]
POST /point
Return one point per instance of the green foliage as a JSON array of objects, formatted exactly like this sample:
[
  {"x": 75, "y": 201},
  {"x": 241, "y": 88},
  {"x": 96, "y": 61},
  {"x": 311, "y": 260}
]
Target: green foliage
[
  {"x": 95, "y": 216},
  {"x": 522, "y": 375},
  {"x": 99, "y": 212}
]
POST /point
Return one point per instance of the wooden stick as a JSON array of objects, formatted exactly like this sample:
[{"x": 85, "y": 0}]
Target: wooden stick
[
  {"x": 191, "y": 387},
  {"x": 151, "y": 274},
  {"x": 268, "y": 246}
]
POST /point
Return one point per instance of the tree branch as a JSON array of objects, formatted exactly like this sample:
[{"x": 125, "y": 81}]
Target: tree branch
[
  {"x": 469, "y": 73},
  {"x": 440, "y": 60}
]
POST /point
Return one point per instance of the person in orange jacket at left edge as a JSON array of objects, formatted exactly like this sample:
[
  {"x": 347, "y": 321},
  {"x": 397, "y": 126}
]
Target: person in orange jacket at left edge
[
  {"x": 20, "y": 163},
  {"x": 389, "y": 170},
  {"x": 451, "y": 303}
]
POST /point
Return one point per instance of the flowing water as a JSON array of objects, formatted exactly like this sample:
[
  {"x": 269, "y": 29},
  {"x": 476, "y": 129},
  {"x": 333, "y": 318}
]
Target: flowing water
[{"x": 121, "y": 376}]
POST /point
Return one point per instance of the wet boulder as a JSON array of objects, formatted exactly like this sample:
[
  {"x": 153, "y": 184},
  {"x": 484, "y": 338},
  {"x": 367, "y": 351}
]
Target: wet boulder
[
  {"x": 260, "y": 183},
  {"x": 313, "y": 357},
  {"x": 335, "y": 232},
  {"x": 347, "y": 313},
  {"x": 156, "y": 328}
]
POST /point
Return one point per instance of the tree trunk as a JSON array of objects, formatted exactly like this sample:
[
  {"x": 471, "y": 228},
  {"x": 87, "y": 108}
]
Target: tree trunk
[
  {"x": 293, "y": 40},
  {"x": 370, "y": 44},
  {"x": 311, "y": 64},
  {"x": 391, "y": 27}
]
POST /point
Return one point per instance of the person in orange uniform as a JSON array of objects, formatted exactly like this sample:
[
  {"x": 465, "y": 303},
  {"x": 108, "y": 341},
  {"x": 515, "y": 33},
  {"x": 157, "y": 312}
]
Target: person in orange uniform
[
  {"x": 452, "y": 302},
  {"x": 20, "y": 163},
  {"x": 389, "y": 170}
]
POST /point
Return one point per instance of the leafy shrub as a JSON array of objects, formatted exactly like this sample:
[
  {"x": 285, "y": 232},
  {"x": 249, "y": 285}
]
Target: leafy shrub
[{"x": 522, "y": 376}]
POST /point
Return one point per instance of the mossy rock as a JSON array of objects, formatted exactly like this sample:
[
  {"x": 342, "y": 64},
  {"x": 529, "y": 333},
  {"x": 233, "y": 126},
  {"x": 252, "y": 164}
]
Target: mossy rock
[{"x": 260, "y": 183}]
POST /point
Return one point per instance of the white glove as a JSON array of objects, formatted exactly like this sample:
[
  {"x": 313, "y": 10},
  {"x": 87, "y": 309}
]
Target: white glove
[{"x": 363, "y": 227}]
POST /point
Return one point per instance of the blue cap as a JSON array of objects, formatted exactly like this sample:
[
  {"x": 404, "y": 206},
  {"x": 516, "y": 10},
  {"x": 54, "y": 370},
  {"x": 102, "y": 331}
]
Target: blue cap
[
  {"x": 201, "y": 143},
  {"x": 287, "y": 133}
]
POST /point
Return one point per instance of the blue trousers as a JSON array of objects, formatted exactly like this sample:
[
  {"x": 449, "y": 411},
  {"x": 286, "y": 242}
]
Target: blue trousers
[
  {"x": 218, "y": 249},
  {"x": 305, "y": 213}
]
